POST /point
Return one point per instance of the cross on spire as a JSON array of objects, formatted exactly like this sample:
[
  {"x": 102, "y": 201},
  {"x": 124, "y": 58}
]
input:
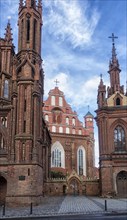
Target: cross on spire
[
  {"x": 113, "y": 47},
  {"x": 113, "y": 38},
  {"x": 56, "y": 81},
  {"x": 101, "y": 75}
]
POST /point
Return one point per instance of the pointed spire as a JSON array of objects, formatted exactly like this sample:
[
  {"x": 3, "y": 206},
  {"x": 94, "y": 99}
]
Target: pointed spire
[
  {"x": 101, "y": 81},
  {"x": 8, "y": 34},
  {"x": 114, "y": 59}
]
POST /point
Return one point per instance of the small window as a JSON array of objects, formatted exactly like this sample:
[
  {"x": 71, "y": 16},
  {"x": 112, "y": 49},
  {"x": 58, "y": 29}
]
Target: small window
[
  {"x": 67, "y": 120},
  {"x": 80, "y": 131},
  {"x": 73, "y": 131},
  {"x": 52, "y": 100},
  {"x": 28, "y": 29},
  {"x": 60, "y": 101},
  {"x": 23, "y": 152},
  {"x": 67, "y": 130},
  {"x": 2, "y": 142},
  {"x": 73, "y": 121},
  {"x": 24, "y": 126},
  {"x": 6, "y": 89},
  {"x": 53, "y": 129},
  {"x": 60, "y": 129},
  {"x": 4, "y": 121},
  {"x": 46, "y": 117},
  {"x": 118, "y": 101}
]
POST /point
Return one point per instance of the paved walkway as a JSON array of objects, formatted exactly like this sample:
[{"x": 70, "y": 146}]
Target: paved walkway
[{"x": 69, "y": 205}]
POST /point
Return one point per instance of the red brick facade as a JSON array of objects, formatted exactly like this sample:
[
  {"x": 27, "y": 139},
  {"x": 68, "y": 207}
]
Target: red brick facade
[
  {"x": 112, "y": 125},
  {"x": 24, "y": 137},
  {"x": 72, "y": 150}
]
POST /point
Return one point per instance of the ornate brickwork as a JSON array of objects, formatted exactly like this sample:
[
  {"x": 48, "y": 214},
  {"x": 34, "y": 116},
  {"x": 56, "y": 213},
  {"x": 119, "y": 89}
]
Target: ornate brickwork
[
  {"x": 112, "y": 126},
  {"x": 24, "y": 137}
]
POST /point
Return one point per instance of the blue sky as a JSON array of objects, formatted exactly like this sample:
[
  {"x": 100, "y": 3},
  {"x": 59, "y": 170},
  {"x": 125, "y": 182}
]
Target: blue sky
[{"x": 75, "y": 46}]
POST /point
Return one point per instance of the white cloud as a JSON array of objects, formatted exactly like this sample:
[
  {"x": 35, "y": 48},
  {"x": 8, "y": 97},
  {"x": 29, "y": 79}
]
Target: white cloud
[{"x": 66, "y": 20}]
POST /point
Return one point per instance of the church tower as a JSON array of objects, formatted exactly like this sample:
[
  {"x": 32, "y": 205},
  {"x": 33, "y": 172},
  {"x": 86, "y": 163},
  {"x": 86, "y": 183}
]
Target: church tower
[
  {"x": 112, "y": 127},
  {"x": 28, "y": 137}
]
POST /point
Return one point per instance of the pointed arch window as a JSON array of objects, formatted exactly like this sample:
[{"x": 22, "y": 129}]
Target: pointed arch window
[
  {"x": 119, "y": 138},
  {"x": 6, "y": 89},
  {"x": 118, "y": 101},
  {"x": 57, "y": 155},
  {"x": 56, "y": 158},
  {"x": 81, "y": 161}
]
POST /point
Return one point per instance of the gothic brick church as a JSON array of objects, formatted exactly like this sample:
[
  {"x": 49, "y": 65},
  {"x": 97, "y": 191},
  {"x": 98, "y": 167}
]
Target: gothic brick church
[
  {"x": 24, "y": 138},
  {"x": 44, "y": 148},
  {"x": 72, "y": 150},
  {"x": 112, "y": 126}
]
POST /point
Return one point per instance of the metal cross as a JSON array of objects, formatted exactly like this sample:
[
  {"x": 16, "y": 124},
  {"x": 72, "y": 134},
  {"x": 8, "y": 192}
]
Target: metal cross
[
  {"x": 113, "y": 37},
  {"x": 56, "y": 81},
  {"x": 101, "y": 75}
]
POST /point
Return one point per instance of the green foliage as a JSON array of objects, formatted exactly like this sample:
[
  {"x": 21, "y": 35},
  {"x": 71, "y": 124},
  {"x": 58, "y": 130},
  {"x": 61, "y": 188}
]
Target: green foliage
[{"x": 57, "y": 174}]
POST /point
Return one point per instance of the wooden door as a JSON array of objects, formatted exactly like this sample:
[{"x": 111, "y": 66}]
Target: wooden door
[{"x": 122, "y": 184}]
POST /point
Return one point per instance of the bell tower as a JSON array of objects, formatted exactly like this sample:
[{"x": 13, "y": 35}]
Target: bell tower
[
  {"x": 27, "y": 99},
  {"x": 112, "y": 130}
]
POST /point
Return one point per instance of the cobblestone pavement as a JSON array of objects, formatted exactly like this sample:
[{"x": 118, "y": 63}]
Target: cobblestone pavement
[{"x": 68, "y": 205}]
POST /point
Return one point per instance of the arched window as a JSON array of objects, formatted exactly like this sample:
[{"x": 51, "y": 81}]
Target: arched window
[
  {"x": 46, "y": 117},
  {"x": 118, "y": 101},
  {"x": 67, "y": 130},
  {"x": 4, "y": 121},
  {"x": 6, "y": 89},
  {"x": 67, "y": 120},
  {"x": 53, "y": 128},
  {"x": 60, "y": 101},
  {"x": 119, "y": 138},
  {"x": 61, "y": 129},
  {"x": 57, "y": 155},
  {"x": 81, "y": 161},
  {"x": 80, "y": 131},
  {"x": 73, "y": 121},
  {"x": 53, "y": 100},
  {"x": 73, "y": 131},
  {"x": 2, "y": 142}
]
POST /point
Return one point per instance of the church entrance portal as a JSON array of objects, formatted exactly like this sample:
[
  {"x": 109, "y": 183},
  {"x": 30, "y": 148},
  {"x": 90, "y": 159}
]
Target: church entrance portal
[
  {"x": 74, "y": 187},
  {"x": 3, "y": 190},
  {"x": 121, "y": 181}
]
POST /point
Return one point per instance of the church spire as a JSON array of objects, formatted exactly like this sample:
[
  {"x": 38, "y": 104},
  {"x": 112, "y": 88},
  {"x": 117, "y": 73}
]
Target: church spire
[
  {"x": 114, "y": 70},
  {"x": 8, "y": 34},
  {"x": 113, "y": 48}
]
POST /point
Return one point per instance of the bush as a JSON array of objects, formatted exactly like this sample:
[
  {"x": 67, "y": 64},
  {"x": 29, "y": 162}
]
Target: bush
[{"x": 57, "y": 174}]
